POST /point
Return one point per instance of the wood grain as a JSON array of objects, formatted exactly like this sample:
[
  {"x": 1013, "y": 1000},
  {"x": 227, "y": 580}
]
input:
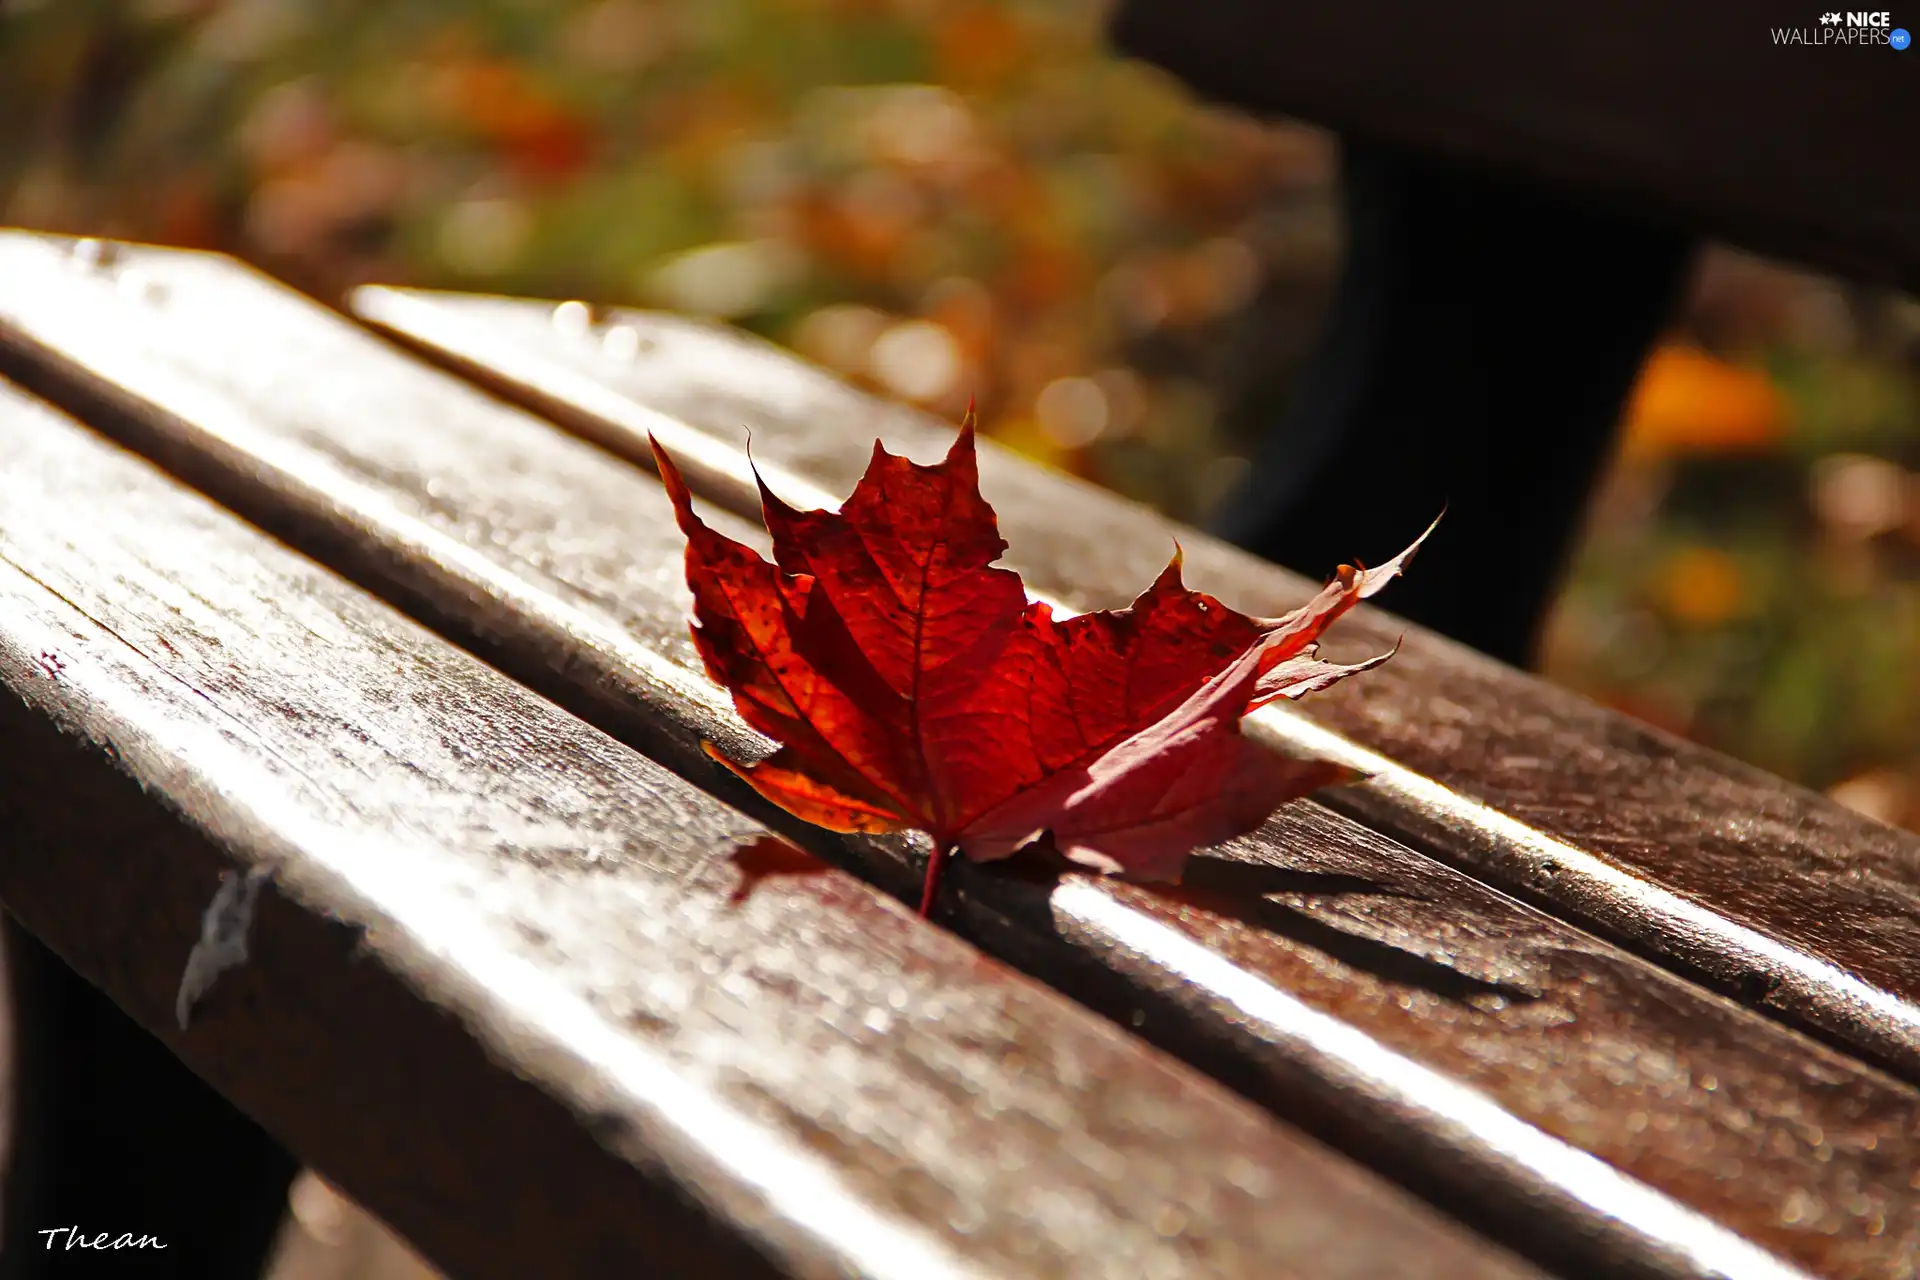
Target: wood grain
[
  {"x": 1763, "y": 891},
  {"x": 1691, "y": 116},
  {"x": 542, "y": 1005},
  {"x": 1478, "y": 1049}
]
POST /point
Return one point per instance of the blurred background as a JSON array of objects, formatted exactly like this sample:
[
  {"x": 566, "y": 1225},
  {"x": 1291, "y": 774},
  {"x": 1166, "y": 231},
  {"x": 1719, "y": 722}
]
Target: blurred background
[{"x": 940, "y": 198}]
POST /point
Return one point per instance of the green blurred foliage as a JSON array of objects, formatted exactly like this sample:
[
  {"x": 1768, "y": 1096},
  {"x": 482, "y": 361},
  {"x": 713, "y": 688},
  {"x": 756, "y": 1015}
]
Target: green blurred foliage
[
  {"x": 1752, "y": 573},
  {"x": 827, "y": 172}
]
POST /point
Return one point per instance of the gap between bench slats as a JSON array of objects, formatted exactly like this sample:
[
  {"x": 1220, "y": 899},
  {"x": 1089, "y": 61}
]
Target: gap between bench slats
[
  {"x": 474, "y": 892},
  {"x": 1375, "y": 995},
  {"x": 1764, "y": 891}
]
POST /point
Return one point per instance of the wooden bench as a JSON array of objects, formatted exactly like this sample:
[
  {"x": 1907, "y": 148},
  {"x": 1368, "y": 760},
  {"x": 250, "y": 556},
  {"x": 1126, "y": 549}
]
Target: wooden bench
[
  {"x": 545, "y": 1006},
  {"x": 544, "y": 989}
]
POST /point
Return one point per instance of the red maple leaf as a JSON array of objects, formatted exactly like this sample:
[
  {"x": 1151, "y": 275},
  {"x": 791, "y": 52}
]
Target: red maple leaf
[{"x": 912, "y": 684}]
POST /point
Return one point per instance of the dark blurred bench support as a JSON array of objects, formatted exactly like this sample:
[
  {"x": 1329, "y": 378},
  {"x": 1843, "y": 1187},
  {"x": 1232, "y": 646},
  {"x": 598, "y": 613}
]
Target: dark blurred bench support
[
  {"x": 1478, "y": 354},
  {"x": 111, "y": 1132}
]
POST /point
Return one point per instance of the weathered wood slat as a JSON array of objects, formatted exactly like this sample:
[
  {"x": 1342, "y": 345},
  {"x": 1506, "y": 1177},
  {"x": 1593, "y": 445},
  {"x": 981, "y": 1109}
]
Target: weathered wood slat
[
  {"x": 1696, "y": 116},
  {"x": 1764, "y": 891},
  {"x": 1470, "y": 1044},
  {"x": 521, "y": 991}
]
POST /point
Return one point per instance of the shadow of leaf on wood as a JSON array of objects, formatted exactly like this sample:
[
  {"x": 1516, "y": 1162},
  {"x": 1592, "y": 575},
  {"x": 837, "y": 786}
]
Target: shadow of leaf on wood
[
  {"x": 770, "y": 858},
  {"x": 1245, "y": 891}
]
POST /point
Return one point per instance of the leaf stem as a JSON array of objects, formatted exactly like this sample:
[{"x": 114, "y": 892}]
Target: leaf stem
[{"x": 935, "y": 862}]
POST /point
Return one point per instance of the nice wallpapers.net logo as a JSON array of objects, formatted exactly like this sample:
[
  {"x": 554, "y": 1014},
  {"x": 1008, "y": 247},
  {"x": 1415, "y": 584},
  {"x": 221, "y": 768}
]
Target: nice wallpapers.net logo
[{"x": 1854, "y": 30}]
